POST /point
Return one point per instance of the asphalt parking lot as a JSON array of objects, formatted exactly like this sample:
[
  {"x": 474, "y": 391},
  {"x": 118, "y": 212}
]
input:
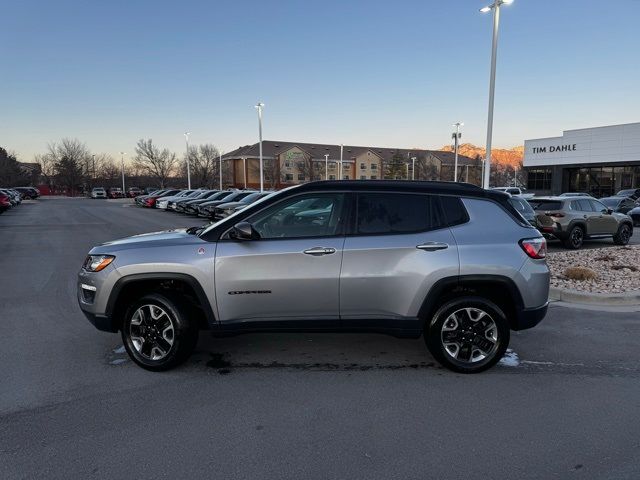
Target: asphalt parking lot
[{"x": 564, "y": 404}]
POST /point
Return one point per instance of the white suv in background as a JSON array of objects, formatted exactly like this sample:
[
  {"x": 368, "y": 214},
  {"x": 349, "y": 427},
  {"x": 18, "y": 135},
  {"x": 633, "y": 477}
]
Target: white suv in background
[{"x": 98, "y": 192}]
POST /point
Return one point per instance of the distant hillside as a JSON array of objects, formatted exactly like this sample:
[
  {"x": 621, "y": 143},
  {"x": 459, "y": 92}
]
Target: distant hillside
[{"x": 504, "y": 156}]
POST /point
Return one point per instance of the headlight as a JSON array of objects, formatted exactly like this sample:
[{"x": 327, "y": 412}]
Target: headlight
[{"x": 95, "y": 263}]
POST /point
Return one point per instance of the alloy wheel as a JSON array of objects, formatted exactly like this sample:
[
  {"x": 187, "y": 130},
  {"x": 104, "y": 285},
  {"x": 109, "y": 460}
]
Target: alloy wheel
[
  {"x": 576, "y": 237},
  {"x": 469, "y": 335},
  {"x": 152, "y": 332}
]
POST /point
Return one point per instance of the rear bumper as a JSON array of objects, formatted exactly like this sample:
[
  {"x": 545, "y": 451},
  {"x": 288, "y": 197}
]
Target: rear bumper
[{"x": 529, "y": 317}]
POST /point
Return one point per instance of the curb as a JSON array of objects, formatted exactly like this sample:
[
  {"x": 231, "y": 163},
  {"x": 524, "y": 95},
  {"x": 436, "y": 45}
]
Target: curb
[{"x": 606, "y": 299}]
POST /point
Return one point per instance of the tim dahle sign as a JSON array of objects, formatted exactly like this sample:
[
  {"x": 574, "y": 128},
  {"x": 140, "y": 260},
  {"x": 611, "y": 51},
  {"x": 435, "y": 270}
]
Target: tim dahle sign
[{"x": 555, "y": 148}]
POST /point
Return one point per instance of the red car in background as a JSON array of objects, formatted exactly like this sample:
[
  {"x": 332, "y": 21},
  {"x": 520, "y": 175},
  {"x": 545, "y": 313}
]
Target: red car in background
[
  {"x": 150, "y": 201},
  {"x": 5, "y": 202}
]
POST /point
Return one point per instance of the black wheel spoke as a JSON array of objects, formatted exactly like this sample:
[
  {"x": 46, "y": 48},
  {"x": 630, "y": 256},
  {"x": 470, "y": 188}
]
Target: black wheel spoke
[
  {"x": 163, "y": 344},
  {"x": 483, "y": 344},
  {"x": 465, "y": 352},
  {"x": 451, "y": 336}
]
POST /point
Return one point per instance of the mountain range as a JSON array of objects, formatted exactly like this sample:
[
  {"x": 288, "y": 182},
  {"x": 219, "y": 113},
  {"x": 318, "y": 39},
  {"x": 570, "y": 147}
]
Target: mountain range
[{"x": 506, "y": 156}]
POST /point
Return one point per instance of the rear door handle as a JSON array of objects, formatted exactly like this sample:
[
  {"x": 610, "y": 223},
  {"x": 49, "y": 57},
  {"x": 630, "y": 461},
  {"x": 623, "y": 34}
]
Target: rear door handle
[
  {"x": 317, "y": 251},
  {"x": 432, "y": 246}
]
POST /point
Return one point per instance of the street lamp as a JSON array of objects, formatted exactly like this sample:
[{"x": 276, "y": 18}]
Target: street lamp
[
  {"x": 244, "y": 171},
  {"x": 186, "y": 138},
  {"x": 456, "y": 137},
  {"x": 122, "y": 154},
  {"x": 495, "y": 6},
  {"x": 326, "y": 166},
  {"x": 259, "y": 106},
  {"x": 413, "y": 168},
  {"x": 341, "y": 170}
]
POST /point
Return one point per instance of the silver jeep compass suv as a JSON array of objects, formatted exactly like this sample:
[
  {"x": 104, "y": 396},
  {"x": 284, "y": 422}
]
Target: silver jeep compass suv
[{"x": 403, "y": 258}]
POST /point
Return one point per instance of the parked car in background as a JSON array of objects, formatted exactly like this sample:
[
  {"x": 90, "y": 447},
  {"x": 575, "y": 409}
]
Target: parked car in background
[
  {"x": 14, "y": 197},
  {"x": 150, "y": 200},
  {"x": 139, "y": 200},
  {"x": 522, "y": 192},
  {"x": 5, "y": 202},
  {"x": 181, "y": 206},
  {"x": 163, "y": 202},
  {"x": 573, "y": 220},
  {"x": 575, "y": 194},
  {"x": 116, "y": 192},
  {"x": 619, "y": 204},
  {"x": 635, "y": 216},
  {"x": 229, "y": 208},
  {"x": 28, "y": 192},
  {"x": 396, "y": 257},
  {"x": 133, "y": 192},
  {"x": 206, "y": 209},
  {"x": 633, "y": 193},
  {"x": 98, "y": 192}
]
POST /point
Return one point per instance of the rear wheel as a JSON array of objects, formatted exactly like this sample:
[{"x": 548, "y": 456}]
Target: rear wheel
[
  {"x": 158, "y": 333},
  {"x": 575, "y": 239},
  {"x": 623, "y": 235},
  {"x": 468, "y": 334}
]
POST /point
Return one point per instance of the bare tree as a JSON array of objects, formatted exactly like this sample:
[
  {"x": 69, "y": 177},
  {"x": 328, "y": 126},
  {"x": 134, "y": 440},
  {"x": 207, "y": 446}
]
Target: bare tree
[
  {"x": 70, "y": 158},
  {"x": 270, "y": 171},
  {"x": 205, "y": 165},
  {"x": 159, "y": 164},
  {"x": 47, "y": 168}
]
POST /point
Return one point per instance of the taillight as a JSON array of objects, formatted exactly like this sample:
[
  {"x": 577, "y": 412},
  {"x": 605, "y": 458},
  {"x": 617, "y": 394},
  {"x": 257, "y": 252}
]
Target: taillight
[{"x": 534, "y": 247}]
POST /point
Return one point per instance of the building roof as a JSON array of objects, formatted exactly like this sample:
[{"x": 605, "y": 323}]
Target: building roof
[{"x": 271, "y": 148}]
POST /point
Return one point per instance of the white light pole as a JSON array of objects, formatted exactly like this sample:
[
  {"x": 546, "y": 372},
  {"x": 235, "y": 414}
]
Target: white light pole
[
  {"x": 413, "y": 168},
  {"x": 326, "y": 166},
  {"x": 122, "y": 154},
  {"x": 259, "y": 106},
  {"x": 341, "y": 169},
  {"x": 220, "y": 167},
  {"x": 456, "y": 136},
  {"x": 186, "y": 138},
  {"x": 495, "y": 6},
  {"x": 244, "y": 171}
]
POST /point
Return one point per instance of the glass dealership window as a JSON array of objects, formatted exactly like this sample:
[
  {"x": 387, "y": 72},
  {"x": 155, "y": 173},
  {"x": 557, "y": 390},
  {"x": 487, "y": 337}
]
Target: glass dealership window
[{"x": 539, "y": 179}]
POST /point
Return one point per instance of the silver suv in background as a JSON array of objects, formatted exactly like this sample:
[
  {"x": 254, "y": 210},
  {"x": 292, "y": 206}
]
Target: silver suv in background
[
  {"x": 98, "y": 192},
  {"x": 452, "y": 262},
  {"x": 574, "y": 219}
]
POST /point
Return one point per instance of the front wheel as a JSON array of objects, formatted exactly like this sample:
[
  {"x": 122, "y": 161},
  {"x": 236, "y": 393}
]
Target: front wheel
[
  {"x": 623, "y": 235},
  {"x": 158, "y": 333},
  {"x": 468, "y": 334}
]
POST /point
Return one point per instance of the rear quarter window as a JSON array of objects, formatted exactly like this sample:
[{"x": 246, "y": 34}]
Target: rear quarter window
[{"x": 454, "y": 211}]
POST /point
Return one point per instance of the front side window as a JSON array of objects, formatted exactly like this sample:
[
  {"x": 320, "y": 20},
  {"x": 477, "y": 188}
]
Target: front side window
[
  {"x": 384, "y": 213},
  {"x": 598, "y": 206},
  {"x": 303, "y": 216}
]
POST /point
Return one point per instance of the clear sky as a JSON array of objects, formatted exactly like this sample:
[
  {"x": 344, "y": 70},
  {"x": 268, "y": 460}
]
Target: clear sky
[{"x": 371, "y": 72}]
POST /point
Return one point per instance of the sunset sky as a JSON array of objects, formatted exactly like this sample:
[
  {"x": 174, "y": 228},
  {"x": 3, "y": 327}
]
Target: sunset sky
[{"x": 369, "y": 72}]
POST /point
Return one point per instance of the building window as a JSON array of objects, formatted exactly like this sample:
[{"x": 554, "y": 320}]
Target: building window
[
  {"x": 287, "y": 164},
  {"x": 288, "y": 177},
  {"x": 332, "y": 177},
  {"x": 374, "y": 166},
  {"x": 374, "y": 177},
  {"x": 301, "y": 177},
  {"x": 346, "y": 166},
  {"x": 363, "y": 166},
  {"x": 539, "y": 179},
  {"x": 363, "y": 177},
  {"x": 332, "y": 166},
  {"x": 345, "y": 177}
]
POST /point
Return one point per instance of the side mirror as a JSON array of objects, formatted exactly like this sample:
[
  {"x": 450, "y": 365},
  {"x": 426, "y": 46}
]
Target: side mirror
[
  {"x": 608, "y": 211},
  {"x": 244, "y": 231}
]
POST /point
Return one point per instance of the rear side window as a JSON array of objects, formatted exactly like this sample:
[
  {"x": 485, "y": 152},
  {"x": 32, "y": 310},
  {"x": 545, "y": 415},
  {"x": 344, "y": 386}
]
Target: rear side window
[
  {"x": 454, "y": 211},
  {"x": 380, "y": 213},
  {"x": 546, "y": 204}
]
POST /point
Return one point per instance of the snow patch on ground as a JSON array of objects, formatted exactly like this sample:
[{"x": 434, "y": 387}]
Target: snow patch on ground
[
  {"x": 119, "y": 349},
  {"x": 510, "y": 359}
]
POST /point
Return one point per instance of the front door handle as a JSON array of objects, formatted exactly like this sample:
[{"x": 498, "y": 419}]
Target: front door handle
[
  {"x": 317, "y": 251},
  {"x": 432, "y": 246}
]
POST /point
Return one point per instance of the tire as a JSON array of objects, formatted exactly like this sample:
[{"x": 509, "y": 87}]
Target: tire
[
  {"x": 623, "y": 234},
  {"x": 485, "y": 343},
  {"x": 575, "y": 239},
  {"x": 158, "y": 332}
]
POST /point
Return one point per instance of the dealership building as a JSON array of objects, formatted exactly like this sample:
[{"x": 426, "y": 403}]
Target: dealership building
[{"x": 599, "y": 160}]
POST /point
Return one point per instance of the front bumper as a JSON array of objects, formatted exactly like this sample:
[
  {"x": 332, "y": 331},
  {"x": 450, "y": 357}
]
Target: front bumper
[{"x": 101, "y": 322}]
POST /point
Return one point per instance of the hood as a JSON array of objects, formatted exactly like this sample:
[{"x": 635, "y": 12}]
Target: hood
[{"x": 148, "y": 240}]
